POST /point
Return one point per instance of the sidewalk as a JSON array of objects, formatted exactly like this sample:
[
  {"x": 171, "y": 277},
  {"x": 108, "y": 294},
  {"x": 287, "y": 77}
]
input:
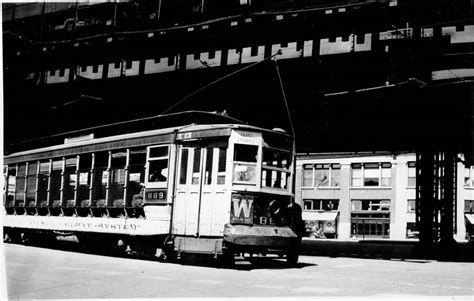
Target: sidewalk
[{"x": 389, "y": 249}]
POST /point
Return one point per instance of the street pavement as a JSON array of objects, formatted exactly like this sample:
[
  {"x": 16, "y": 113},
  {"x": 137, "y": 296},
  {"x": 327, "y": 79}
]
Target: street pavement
[{"x": 40, "y": 273}]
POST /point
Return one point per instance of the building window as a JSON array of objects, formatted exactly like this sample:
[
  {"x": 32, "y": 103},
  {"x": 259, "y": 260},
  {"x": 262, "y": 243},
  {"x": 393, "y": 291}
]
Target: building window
[
  {"x": 411, "y": 231},
  {"x": 370, "y": 205},
  {"x": 320, "y": 205},
  {"x": 469, "y": 177},
  {"x": 371, "y": 174},
  {"x": 411, "y": 205},
  {"x": 360, "y": 39},
  {"x": 308, "y": 175},
  {"x": 411, "y": 174},
  {"x": 370, "y": 218},
  {"x": 254, "y": 51},
  {"x": 469, "y": 206},
  {"x": 321, "y": 175}
]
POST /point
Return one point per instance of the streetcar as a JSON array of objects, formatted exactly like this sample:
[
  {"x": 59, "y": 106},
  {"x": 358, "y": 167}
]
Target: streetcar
[{"x": 217, "y": 188}]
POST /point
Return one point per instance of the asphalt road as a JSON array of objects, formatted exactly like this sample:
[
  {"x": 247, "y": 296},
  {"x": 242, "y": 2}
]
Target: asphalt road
[{"x": 38, "y": 273}]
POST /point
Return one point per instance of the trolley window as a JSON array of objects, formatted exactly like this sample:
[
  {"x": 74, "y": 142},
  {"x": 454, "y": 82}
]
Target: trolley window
[
  {"x": 183, "y": 171},
  {"x": 117, "y": 178},
  {"x": 196, "y": 167},
  {"x": 208, "y": 169},
  {"x": 136, "y": 175},
  {"x": 43, "y": 179},
  {"x": 70, "y": 180},
  {"x": 245, "y": 164},
  {"x": 83, "y": 190},
  {"x": 158, "y": 166},
  {"x": 31, "y": 184},
  {"x": 11, "y": 186},
  {"x": 275, "y": 168},
  {"x": 55, "y": 178},
  {"x": 100, "y": 180},
  {"x": 20, "y": 185},
  {"x": 221, "y": 166}
]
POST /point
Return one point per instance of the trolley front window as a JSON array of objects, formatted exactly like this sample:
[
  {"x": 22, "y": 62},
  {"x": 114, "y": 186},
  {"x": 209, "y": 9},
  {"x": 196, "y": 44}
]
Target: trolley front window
[
  {"x": 275, "y": 168},
  {"x": 245, "y": 164}
]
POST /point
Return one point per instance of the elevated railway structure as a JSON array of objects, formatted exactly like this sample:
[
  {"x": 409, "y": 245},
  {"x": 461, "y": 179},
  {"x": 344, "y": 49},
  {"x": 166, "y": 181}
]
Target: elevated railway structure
[{"x": 358, "y": 75}]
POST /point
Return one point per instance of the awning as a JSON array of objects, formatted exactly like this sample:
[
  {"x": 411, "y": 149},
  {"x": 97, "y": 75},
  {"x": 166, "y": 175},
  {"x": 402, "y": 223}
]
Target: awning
[
  {"x": 469, "y": 217},
  {"x": 319, "y": 216}
]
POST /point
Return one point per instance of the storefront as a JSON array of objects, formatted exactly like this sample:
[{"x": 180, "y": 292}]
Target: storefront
[
  {"x": 321, "y": 224},
  {"x": 370, "y": 218}
]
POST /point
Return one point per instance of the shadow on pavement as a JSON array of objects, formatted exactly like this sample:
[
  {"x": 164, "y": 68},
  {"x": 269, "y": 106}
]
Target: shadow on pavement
[{"x": 241, "y": 263}]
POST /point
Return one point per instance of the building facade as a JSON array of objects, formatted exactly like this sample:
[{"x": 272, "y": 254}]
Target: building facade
[{"x": 369, "y": 196}]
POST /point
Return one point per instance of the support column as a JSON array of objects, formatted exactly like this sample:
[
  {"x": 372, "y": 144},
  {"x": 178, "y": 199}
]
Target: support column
[
  {"x": 426, "y": 189},
  {"x": 448, "y": 203}
]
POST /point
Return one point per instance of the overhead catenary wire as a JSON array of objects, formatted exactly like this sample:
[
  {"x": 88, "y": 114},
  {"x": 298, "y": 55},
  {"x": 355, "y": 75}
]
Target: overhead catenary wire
[
  {"x": 284, "y": 97},
  {"x": 218, "y": 80}
]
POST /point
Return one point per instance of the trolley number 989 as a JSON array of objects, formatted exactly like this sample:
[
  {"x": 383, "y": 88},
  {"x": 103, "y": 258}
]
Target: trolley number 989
[{"x": 155, "y": 195}]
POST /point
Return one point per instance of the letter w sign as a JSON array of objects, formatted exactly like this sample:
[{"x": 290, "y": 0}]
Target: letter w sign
[{"x": 241, "y": 209}]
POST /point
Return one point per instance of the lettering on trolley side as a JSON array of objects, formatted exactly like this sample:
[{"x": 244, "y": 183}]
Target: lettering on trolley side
[
  {"x": 241, "y": 209},
  {"x": 73, "y": 225}
]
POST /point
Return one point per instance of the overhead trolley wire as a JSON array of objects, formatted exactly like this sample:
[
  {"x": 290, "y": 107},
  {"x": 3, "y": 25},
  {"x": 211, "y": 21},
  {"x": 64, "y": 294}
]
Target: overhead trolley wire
[{"x": 218, "y": 80}]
